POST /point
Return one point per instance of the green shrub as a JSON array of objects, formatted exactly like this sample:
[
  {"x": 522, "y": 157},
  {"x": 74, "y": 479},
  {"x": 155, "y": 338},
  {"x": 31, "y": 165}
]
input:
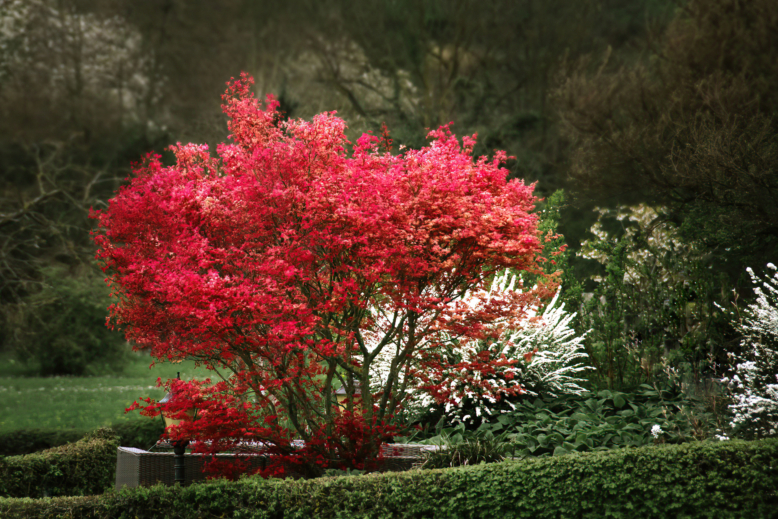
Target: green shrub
[
  {"x": 722, "y": 480},
  {"x": 61, "y": 329},
  {"x": 82, "y": 468},
  {"x": 653, "y": 300},
  {"x": 141, "y": 434},
  {"x": 27, "y": 441}
]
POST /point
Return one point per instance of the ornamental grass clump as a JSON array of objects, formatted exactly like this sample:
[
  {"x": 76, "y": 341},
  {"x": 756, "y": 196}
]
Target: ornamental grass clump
[{"x": 482, "y": 448}]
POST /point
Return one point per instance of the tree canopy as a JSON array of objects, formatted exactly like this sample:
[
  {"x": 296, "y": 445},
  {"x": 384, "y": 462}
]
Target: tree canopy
[
  {"x": 291, "y": 260},
  {"x": 693, "y": 126}
]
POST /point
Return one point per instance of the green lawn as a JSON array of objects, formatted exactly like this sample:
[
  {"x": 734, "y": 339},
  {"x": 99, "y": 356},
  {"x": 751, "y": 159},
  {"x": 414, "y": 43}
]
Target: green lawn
[{"x": 82, "y": 402}]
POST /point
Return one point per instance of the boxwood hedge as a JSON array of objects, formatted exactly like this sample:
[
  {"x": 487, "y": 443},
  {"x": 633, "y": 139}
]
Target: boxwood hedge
[
  {"x": 27, "y": 441},
  {"x": 140, "y": 433},
  {"x": 721, "y": 480},
  {"x": 85, "y": 467}
]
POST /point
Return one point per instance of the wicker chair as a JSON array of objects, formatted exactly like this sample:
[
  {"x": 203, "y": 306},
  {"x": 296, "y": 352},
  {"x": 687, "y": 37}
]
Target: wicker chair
[{"x": 136, "y": 467}]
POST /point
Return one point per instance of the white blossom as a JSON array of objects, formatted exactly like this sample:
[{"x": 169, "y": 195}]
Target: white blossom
[
  {"x": 754, "y": 385},
  {"x": 552, "y": 370}
]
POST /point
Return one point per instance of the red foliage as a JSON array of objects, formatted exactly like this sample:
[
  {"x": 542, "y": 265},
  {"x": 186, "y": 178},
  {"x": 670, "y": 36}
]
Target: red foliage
[{"x": 275, "y": 260}]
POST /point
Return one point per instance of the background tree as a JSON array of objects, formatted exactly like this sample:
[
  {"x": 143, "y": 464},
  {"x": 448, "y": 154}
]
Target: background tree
[
  {"x": 71, "y": 82},
  {"x": 488, "y": 67},
  {"x": 692, "y": 126}
]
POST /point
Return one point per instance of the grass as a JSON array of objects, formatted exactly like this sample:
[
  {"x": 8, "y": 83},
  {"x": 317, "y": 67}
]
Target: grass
[{"x": 82, "y": 402}]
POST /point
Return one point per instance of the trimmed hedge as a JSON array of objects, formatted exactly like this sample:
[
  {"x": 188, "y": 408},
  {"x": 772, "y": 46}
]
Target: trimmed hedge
[
  {"x": 721, "y": 480},
  {"x": 82, "y": 468},
  {"x": 27, "y": 441},
  {"x": 140, "y": 433}
]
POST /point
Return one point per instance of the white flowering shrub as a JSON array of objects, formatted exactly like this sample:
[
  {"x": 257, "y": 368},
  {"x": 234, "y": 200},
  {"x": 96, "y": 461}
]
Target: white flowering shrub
[
  {"x": 556, "y": 353},
  {"x": 754, "y": 384},
  {"x": 544, "y": 354}
]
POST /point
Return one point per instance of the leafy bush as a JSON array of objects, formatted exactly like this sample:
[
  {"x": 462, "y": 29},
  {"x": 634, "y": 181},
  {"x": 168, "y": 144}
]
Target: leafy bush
[
  {"x": 653, "y": 299},
  {"x": 82, "y": 468},
  {"x": 754, "y": 384},
  {"x": 26, "y": 441},
  {"x": 612, "y": 420},
  {"x": 696, "y": 480},
  {"x": 141, "y": 434},
  {"x": 61, "y": 330}
]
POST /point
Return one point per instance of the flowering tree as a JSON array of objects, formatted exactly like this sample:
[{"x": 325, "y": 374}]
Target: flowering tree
[
  {"x": 754, "y": 384},
  {"x": 270, "y": 264}
]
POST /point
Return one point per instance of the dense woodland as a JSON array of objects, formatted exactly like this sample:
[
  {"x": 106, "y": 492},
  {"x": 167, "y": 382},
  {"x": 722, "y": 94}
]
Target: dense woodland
[{"x": 648, "y": 125}]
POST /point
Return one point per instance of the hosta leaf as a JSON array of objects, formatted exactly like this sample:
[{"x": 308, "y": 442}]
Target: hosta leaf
[
  {"x": 556, "y": 438},
  {"x": 561, "y": 451},
  {"x": 506, "y": 419}
]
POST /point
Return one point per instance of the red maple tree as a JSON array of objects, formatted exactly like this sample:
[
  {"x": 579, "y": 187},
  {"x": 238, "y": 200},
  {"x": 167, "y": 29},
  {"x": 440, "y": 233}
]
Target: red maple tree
[{"x": 272, "y": 262}]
